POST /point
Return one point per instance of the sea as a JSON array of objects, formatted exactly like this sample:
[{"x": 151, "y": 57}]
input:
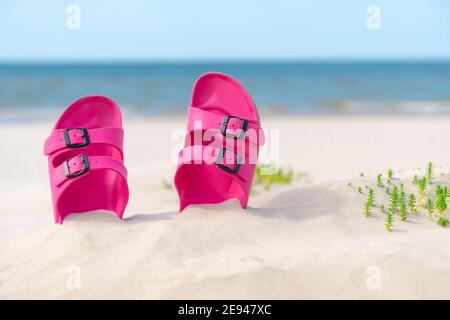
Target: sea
[{"x": 40, "y": 91}]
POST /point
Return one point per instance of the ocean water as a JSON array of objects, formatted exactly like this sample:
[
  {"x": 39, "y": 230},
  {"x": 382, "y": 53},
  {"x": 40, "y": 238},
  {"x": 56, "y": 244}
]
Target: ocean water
[{"x": 32, "y": 91}]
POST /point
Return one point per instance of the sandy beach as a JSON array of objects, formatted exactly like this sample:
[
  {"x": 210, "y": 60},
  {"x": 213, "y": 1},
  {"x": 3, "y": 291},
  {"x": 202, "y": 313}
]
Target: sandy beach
[{"x": 306, "y": 240}]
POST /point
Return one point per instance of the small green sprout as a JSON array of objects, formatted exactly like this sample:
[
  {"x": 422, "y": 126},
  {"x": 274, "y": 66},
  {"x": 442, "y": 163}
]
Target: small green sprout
[
  {"x": 350, "y": 184},
  {"x": 366, "y": 209},
  {"x": 388, "y": 191},
  {"x": 438, "y": 190},
  {"x": 415, "y": 179},
  {"x": 412, "y": 203},
  {"x": 430, "y": 173},
  {"x": 442, "y": 221},
  {"x": 441, "y": 191},
  {"x": 390, "y": 175},
  {"x": 379, "y": 182},
  {"x": 382, "y": 208},
  {"x": 369, "y": 203},
  {"x": 361, "y": 174},
  {"x": 394, "y": 200},
  {"x": 402, "y": 190},
  {"x": 403, "y": 213},
  {"x": 422, "y": 187},
  {"x": 441, "y": 203},
  {"x": 371, "y": 197},
  {"x": 389, "y": 220},
  {"x": 280, "y": 177},
  {"x": 360, "y": 190},
  {"x": 166, "y": 184},
  {"x": 430, "y": 208}
]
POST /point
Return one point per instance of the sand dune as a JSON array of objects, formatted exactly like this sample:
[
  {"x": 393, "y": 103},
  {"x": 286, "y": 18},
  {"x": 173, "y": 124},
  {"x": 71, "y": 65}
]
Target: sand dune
[{"x": 302, "y": 241}]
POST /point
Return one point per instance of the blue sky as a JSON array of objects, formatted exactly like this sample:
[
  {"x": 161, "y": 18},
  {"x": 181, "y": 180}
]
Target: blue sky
[{"x": 223, "y": 30}]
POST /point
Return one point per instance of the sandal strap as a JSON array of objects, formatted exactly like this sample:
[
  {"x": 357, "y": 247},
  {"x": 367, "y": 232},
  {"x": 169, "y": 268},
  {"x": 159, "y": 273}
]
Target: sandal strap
[
  {"x": 82, "y": 164},
  {"x": 230, "y": 126},
  {"x": 226, "y": 160},
  {"x": 81, "y": 137}
]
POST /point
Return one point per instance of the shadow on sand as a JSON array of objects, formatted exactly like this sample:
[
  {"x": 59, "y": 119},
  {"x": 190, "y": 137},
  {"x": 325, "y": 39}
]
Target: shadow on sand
[{"x": 146, "y": 217}]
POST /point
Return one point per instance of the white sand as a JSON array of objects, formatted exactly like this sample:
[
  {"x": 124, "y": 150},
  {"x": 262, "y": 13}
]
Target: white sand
[{"x": 309, "y": 240}]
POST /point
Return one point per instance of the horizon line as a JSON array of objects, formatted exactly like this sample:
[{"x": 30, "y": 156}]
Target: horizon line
[{"x": 219, "y": 61}]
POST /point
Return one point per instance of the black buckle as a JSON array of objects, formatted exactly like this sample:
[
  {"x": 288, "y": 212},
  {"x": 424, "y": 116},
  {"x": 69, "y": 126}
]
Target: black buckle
[
  {"x": 84, "y": 161},
  {"x": 221, "y": 157},
  {"x": 225, "y": 121},
  {"x": 84, "y": 134}
]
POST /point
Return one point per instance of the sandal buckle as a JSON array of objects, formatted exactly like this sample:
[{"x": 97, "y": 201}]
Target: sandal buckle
[
  {"x": 84, "y": 135},
  {"x": 221, "y": 157},
  {"x": 84, "y": 162},
  {"x": 224, "y": 127}
]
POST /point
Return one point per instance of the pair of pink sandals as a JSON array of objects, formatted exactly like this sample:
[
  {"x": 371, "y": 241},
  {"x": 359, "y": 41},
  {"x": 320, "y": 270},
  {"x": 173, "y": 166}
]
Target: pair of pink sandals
[{"x": 86, "y": 161}]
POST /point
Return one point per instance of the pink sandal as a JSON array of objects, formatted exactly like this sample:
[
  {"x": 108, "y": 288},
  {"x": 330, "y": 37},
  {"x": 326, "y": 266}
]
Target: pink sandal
[
  {"x": 85, "y": 159},
  {"x": 213, "y": 172}
]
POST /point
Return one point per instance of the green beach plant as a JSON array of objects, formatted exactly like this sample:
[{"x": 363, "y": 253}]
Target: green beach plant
[
  {"x": 438, "y": 190},
  {"x": 430, "y": 207},
  {"x": 389, "y": 220},
  {"x": 402, "y": 189},
  {"x": 369, "y": 202},
  {"x": 422, "y": 186},
  {"x": 429, "y": 173},
  {"x": 441, "y": 191},
  {"x": 394, "y": 200},
  {"x": 166, "y": 184},
  {"x": 366, "y": 209},
  {"x": 379, "y": 181},
  {"x": 403, "y": 212},
  {"x": 390, "y": 175},
  {"x": 371, "y": 198},
  {"x": 443, "y": 222},
  {"x": 280, "y": 177},
  {"x": 412, "y": 203},
  {"x": 404, "y": 203},
  {"x": 441, "y": 203}
]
